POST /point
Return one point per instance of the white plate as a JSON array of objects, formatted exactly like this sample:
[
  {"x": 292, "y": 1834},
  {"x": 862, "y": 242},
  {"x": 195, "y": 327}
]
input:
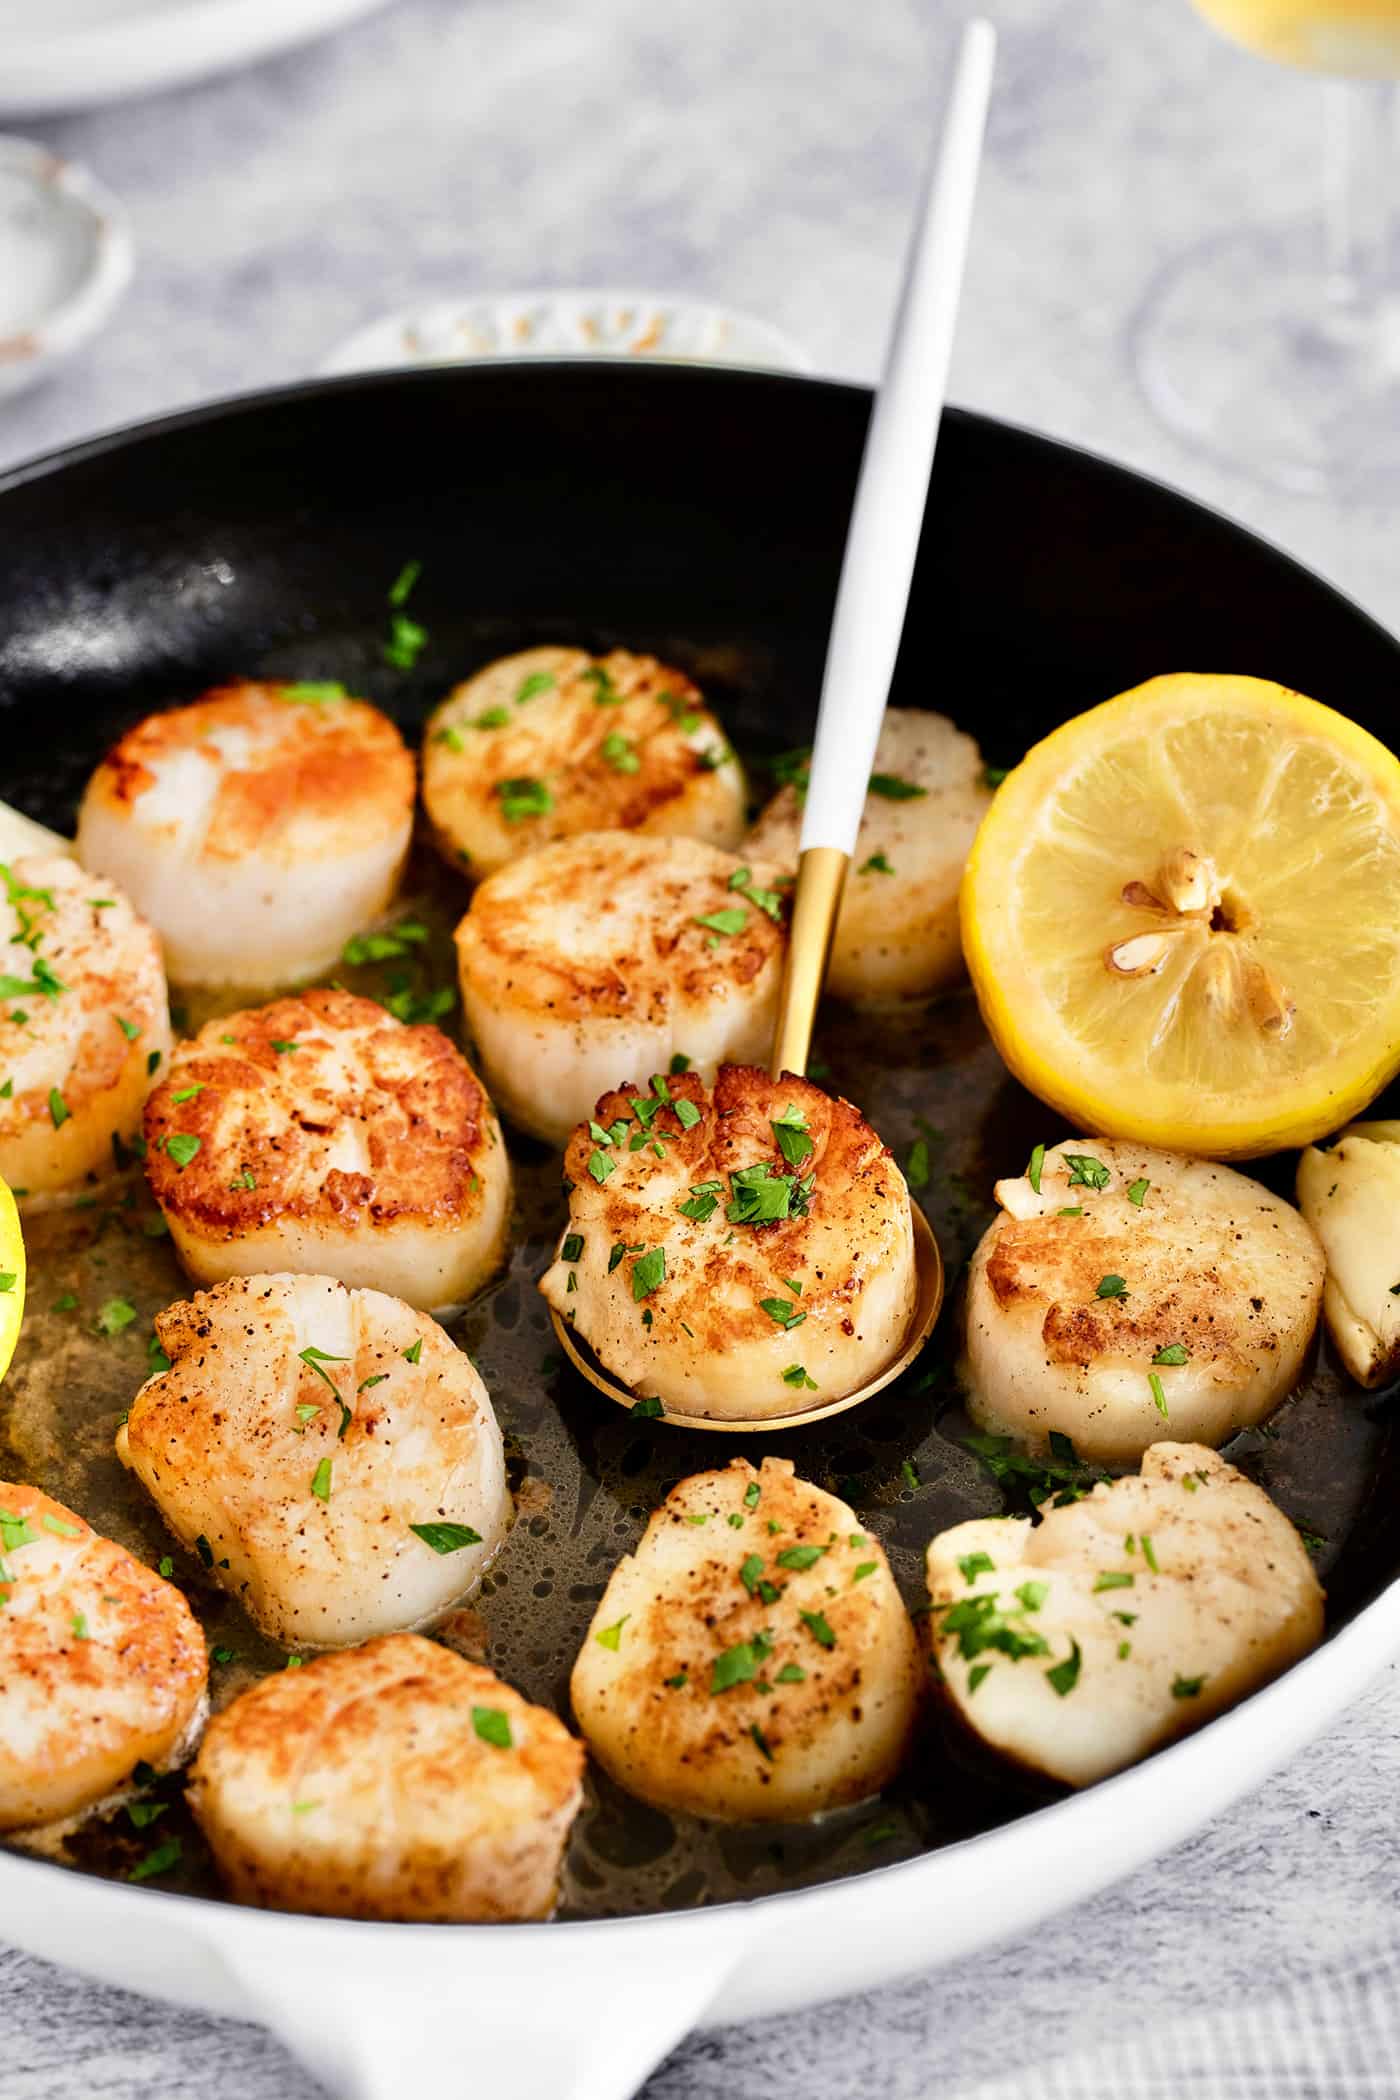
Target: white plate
[
  {"x": 73, "y": 54},
  {"x": 554, "y": 323}
]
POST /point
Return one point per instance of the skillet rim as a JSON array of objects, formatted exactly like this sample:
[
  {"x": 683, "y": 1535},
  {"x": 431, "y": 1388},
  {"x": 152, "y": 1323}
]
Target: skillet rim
[{"x": 1382, "y": 1612}]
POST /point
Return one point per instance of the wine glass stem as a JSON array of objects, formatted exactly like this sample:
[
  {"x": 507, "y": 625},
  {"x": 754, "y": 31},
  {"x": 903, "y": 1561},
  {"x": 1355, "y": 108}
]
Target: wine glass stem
[{"x": 1358, "y": 135}]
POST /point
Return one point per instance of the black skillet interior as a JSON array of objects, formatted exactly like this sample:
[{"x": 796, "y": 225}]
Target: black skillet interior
[{"x": 699, "y": 514}]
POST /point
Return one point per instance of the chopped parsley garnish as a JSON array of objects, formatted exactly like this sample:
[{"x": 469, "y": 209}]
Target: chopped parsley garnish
[
  {"x": 530, "y": 688},
  {"x": 524, "y": 797},
  {"x": 909, "y": 1472},
  {"x": 205, "y": 1551},
  {"x": 413, "y": 1352},
  {"x": 751, "y": 1495},
  {"x": 1174, "y": 1353},
  {"x": 1062, "y": 1475},
  {"x": 866, "y": 1567},
  {"x": 761, "y": 1741},
  {"x": 67, "y": 1302},
  {"x": 312, "y": 692},
  {"x": 611, "y": 1636},
  {"x": 817, "y": 1625},
  {"x": 1111, "y": 1287},
  {"x": 60, "y": 1527},
  {"x": 732, "y": 920},
  {"x": 80, "y": 1626},
  {"x": 114, "y": 1315},
  {"x": 492, "y": 1726},
  {"x": 605, "y": 693},
  {"x": 321, "y": 1481},
  {"x": 406, "y": 643},
  {"x": 980, "y": 1623},
  {"x": 187, "y": 1093},
  {"x": 143, "y": 1813},
  {"x": 687, "y": 1114},
  {"x": 894, "y": 788},
  {"x": 1065, "y": 1675},
  {"x": 1137, "y": 1193},
  {"x": 1159, "y": 1398},
  {"x": 737, "y": 1665},
  {"x": 383, "y": 947},
  {"x": 781, "y": 1313},
  {"x": 1148, "y": 1555},
  {"x": 767, "y": 901},
  {"x": 977, "y": 1675},
  {"x": 993, "y": 776},
  {"x": 647, "y": 1409},
  {"x": 750, "y": 1571},
  {"x": 128, "y": 1028},
  {"x": 403, "y": 583},
  {"x": 159, "y": 1861},
  {"x": 620, "y": 753},
  {"x": 679, "y": 1063},
  {"x": 572, "y": 1249},
  {"x": 796, "y": 1375},
  {"x": 800, "y": 1557},
  {"x": 1187, "y": 1687},
  {"x": 600, "y": 1165},
  {"x": 182, "y": 1146},
  {"x": 975, "y": 1564},
  {"x": 1086, "y": 1170},
  {"x": 152, "y": 1063},
  {"x": 878, "y": 864},
  {"x": 1114, "y": 1579},
  {"x": 1033, "y": 1171},
  {"x": 446, "y": 1538},
  {"x": 761, "y": 1197},
  {"x": 491, "y": 718},
  {"x": 1071, "y": 1210},
  {"x": 648, "y": 1273},
  {"x": 679, "y": 1682},
  {"x": 314, "y": 1358},
  {"x": 59, "y": 1110},
  {"x": 789, "y": 1129},
  {"x": 702, "y": 1201}
]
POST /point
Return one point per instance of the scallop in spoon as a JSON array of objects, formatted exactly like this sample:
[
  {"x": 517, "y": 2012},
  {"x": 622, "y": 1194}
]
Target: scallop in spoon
[{"x": 876, "y": 573}]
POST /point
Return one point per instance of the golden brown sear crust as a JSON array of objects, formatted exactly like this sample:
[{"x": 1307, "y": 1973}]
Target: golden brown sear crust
[
  {"x": 368, "y": 1784},
  {"x": 1036, "y": 1262},
  {"x": 608, "y": 742},
  {"x": 102, "y": 1662},
  {"x": 311, "y": 767},
  {"x": 270, "y": 1094},
  {"x": 764, "y": 1667},
  {"x": 645, "y": 901}
]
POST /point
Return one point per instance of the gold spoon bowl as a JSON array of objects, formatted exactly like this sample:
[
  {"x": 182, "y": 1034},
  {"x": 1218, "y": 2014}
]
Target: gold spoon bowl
[{"x": 928, "y": 1268}]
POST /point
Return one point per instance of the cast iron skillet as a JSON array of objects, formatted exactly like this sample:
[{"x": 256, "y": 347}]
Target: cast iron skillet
[{"x": 700, "y": 514}]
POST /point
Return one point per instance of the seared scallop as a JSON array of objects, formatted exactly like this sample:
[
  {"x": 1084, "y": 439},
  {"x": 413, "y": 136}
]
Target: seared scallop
[
  {"x": 320, "y": 1134},
  {"x": 330, "y": 1455},
  {"x": 1126, "y": 1294},
  {"x": 735, "y": 1255},
  {"x": 609, "y": 956},
  {"x": 102, "y": 1663},
  {"x": 897, "y": 933},
  {"x": 83, "y": 1024},
  {"x": 538, "y": 746},
  {"x": 396, "y": 1781},
  {"x": 1077, "y": 1644},
  {"x": 751, "y": 1660},
  {"x": 257, "y": 828}
]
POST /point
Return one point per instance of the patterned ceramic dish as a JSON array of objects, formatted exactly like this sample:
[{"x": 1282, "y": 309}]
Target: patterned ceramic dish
[{"x": 65, "y": 260}]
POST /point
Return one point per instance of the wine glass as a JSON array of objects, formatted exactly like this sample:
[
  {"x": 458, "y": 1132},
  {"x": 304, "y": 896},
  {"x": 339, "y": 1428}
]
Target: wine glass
[{"x": 1278, "y": 349}]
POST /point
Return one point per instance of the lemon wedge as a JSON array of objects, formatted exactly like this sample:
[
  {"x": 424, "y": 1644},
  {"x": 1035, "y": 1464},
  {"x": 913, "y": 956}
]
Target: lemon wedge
[
  {"x": 11, "y": 1277},
  {"x": 1181, "y": 916}
]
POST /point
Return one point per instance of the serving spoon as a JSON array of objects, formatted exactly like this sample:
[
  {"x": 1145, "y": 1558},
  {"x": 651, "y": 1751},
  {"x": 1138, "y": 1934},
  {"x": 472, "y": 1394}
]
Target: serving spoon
[{"x": 876, "y": 572}]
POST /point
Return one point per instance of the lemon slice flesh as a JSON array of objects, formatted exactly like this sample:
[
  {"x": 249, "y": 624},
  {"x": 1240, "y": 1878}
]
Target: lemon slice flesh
[
  {"x": 1181, "y": 917},
  {"x": 11, "y": 1277}
]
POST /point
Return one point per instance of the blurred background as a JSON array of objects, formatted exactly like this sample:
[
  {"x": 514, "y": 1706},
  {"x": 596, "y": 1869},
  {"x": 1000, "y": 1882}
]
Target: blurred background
[{"x": 762, "y": 155}]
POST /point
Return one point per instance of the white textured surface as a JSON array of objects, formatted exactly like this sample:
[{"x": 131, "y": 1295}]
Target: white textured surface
[{"x": 766, "y": 153}]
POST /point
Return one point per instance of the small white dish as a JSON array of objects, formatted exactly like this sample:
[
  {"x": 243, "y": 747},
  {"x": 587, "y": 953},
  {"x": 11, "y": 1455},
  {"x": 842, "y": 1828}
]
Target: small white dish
[
  {"x": 65, "y": 260},
  {"x": 621, "y": 324},
  {"x": 75, "y": 54}
]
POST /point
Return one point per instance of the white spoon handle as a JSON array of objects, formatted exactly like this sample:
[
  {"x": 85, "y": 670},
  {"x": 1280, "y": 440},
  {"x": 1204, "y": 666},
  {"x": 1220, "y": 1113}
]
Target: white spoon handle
[{"x": 893, "y": 488}]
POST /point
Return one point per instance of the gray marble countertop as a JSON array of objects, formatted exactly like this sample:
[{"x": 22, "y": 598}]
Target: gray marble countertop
[{"x": 765, "y": 153}]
